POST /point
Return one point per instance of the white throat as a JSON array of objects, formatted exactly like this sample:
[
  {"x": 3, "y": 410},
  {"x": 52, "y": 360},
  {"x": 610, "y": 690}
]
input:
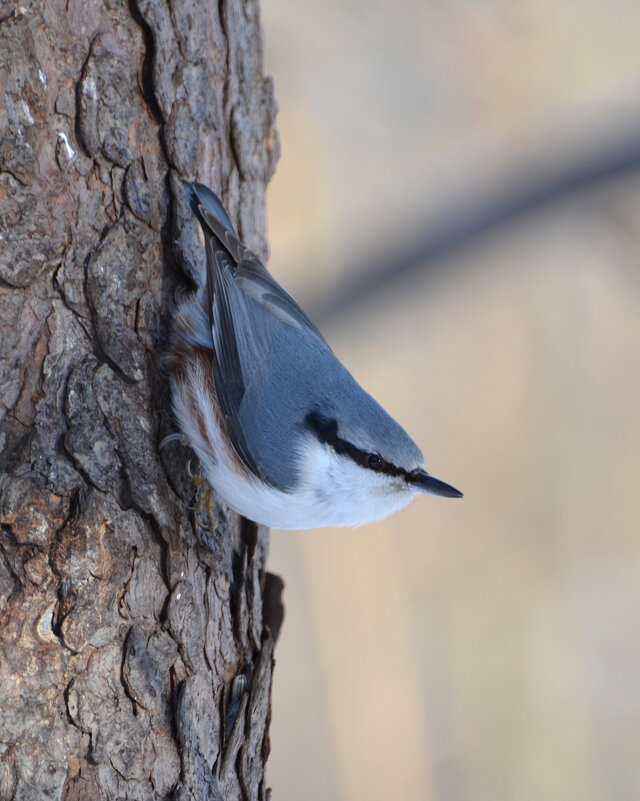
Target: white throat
[{"x": 335, "y": 491}]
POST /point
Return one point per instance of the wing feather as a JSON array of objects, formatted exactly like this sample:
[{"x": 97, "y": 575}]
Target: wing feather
[
  {"x": 249, "y": 273},
  {"x": 247, "y": 306}
]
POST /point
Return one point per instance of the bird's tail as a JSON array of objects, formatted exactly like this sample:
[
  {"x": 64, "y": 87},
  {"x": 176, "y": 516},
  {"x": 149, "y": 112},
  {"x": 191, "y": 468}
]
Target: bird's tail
[{"x": 200, "y": 195}]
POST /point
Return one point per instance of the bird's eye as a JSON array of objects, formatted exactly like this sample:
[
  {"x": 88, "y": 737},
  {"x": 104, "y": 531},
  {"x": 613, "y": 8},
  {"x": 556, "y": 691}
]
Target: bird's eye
[{"x": 375, "y": 462}]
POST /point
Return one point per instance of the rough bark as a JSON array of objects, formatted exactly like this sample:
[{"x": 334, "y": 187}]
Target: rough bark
[{"x": 123, "y": 621}]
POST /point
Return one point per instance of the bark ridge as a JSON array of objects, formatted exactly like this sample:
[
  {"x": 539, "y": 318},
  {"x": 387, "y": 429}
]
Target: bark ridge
[{"x": 124, "y": 622}]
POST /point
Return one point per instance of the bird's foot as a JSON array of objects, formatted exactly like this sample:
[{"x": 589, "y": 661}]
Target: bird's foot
[{"x": 205, "y": 497}]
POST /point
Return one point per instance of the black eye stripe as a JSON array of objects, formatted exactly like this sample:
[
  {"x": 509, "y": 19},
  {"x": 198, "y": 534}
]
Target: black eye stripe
[{"x": 327, "y": 431}]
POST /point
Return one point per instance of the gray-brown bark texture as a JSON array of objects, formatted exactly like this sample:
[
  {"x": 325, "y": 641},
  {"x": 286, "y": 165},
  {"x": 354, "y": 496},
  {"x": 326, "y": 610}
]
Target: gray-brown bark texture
[{"x": 123, "y": 620}]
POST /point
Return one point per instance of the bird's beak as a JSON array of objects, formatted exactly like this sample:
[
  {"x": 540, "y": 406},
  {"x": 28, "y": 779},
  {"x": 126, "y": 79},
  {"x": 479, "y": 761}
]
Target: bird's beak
[{"x": 423, "y": 481}]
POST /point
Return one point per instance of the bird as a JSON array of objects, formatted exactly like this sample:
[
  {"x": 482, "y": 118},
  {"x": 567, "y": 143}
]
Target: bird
[{"x": 284, "y": 434}]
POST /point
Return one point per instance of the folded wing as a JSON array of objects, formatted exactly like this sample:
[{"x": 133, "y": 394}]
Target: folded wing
[{"x": 247, "y": 310}]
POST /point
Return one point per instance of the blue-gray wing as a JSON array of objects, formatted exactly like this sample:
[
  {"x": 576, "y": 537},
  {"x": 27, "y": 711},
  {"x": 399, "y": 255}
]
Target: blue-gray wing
[
  {"x": 251, "y": 276},
  {"x": 249, "y": 310}
]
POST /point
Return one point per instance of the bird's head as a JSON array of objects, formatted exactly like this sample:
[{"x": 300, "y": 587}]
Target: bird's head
[{"x": 364, "y": 466}]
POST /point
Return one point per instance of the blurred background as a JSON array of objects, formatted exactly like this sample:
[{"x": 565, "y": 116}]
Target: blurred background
[{"x": 458, "y": 205}]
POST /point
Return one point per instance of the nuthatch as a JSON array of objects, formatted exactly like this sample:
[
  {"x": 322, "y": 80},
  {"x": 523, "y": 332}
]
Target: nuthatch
[{"x": 283, "y": 432}]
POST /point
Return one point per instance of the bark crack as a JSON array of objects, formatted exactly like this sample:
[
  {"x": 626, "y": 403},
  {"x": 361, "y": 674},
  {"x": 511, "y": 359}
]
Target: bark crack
[{"x": 146, "y": 68}]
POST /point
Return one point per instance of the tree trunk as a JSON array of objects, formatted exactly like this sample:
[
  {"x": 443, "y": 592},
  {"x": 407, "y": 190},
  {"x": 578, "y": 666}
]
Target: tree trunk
[{"x": 124, "y": 621}]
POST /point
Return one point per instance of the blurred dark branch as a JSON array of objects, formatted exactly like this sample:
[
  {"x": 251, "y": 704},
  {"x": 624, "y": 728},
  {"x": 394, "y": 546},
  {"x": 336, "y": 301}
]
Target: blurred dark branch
[{"x": 485, "y": 213}]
